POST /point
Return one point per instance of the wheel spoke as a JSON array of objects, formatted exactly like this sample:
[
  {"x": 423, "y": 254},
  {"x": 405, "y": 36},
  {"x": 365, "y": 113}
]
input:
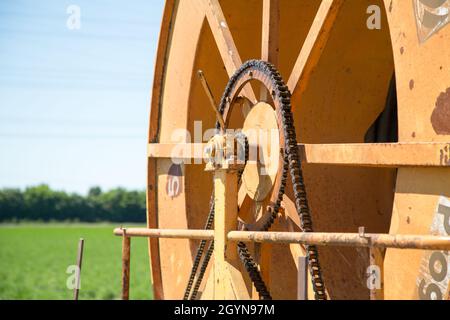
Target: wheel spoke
[
  {"x": 314, "y": 44},
  {"x": 270, "y": 31},
  {"x": 225, "y": 43},
  {"x": 290, "y": 212},
  {"x": 245, "y": 204}
]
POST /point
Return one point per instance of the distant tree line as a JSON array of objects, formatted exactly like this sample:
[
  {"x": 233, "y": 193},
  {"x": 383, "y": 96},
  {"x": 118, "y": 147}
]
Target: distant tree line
[{"x": 40, "y": 203}]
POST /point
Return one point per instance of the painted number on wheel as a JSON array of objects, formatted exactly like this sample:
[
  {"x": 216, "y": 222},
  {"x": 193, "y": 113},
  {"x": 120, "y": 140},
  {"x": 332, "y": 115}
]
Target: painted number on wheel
[
  {"x": 174, "y": 185},
  {"x": 433, "y": 281}
]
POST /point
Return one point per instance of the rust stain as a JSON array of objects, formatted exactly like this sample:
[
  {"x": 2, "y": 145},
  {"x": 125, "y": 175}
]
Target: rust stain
[{"x": 440, "y": 118}]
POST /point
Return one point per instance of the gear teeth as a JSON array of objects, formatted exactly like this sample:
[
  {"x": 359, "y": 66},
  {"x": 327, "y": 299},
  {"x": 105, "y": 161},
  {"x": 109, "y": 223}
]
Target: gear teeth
[{"x": 291, "y": 164}]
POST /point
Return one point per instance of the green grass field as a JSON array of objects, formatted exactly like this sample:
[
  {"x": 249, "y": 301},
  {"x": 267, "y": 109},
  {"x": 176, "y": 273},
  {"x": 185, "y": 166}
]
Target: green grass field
[{"x": 34, "y": 259}]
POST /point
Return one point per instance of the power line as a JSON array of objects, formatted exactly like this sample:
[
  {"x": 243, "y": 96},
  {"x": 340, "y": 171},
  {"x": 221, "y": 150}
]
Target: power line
[
  {"x": 72, "y": 122},
  {"x": 85, "y": 18},
  {"x": 58, "y": 86},
  {"x": 71, "y": 35},
  {"x": 67, "y": 72},
  {"x": 66, "y": 136}
]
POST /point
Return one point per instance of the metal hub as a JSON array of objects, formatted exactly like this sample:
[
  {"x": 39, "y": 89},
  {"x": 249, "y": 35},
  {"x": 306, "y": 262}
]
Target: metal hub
[{"x": 261, "y": 129}]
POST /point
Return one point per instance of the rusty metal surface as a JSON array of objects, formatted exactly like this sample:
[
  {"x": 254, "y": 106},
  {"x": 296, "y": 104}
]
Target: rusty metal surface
[
  {"x": 166, "y": 233},
  {"x": 126, "y": 244},
  {"x": 407, "y": 154},
  {"x": 425, "y": 242},
  {"x": 440, "y": 118},
  {"x": 423, "y": 109}
]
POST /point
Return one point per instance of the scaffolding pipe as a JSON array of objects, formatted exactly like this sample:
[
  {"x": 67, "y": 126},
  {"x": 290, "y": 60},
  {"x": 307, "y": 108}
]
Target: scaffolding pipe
[
  {"x": 423, "y": 242},
  {"x": 167, "y": 233}
]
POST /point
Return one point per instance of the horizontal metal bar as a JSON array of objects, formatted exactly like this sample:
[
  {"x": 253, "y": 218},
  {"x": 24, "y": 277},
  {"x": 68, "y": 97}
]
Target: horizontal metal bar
[
  {"x": 423, "y": 154},
  {"x": 166, "y": 233},
  {"x": 424, "y": 242},
  {"x": 185, "y": 152}
]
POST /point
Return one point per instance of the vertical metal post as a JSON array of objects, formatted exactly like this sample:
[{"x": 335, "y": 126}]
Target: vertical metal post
[
  {"x": 76, "y": 290},
  {"x": 126, "y": 245},
  {"x": 225, "y": 220},
  {"x": 302, "y": 278}
]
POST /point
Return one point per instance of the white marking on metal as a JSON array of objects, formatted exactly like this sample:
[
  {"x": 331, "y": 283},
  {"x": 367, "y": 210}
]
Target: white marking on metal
[{"x": 434, "y": 270}]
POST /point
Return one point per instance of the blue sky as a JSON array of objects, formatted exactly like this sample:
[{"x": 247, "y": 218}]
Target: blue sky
[{"x": 74, "y": 104}]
